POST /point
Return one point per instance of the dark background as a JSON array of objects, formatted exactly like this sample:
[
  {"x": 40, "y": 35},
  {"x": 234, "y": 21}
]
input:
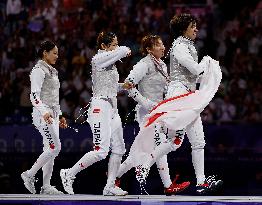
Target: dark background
[{"x": 229, "y": 31}]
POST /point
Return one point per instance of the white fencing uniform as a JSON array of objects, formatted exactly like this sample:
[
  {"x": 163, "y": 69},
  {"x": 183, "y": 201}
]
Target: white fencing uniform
[
  {"x": 45, "y": 98},
  {"x": 151, "y": 85},
  {"x": 184, "y": 73},
  {"x": 182, "y": 112},
  {"x": 103, "y": 116}
]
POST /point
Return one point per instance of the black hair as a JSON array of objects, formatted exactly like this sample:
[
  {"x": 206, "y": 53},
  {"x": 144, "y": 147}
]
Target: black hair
[
  {"x": 179, "y": 24},
  {"x": 45, "y": 46},
  {"x": 106, "y": 38}
]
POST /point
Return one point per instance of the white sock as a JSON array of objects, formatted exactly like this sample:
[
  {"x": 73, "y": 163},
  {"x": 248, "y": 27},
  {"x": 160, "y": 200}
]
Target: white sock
[
  {"x": 113, "y": 167},
  {"x": 50, "y": 134},
  {"x": 163, "y": 170},
  {"x": 125, "y": 167},
  {"x": 40, "y": 162},
  {"x": 198, "y": 163},
  {"x": 161, "y": 162},
  {"x": 47, "y": 172},
  {"x": 87, "y": 160},
  {"x": 160, "y": 151},
  {"x": 196, "y": 137}
]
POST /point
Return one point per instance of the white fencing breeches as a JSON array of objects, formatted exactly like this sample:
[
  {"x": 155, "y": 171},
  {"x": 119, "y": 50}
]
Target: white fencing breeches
[
  {"x": 107, "y": 132},
  {"x": 51, "y": 142},
  {"x": 161, "y": 162},
  {"x": 194, "y": 133},
  {"x": 196, "y": 138}
]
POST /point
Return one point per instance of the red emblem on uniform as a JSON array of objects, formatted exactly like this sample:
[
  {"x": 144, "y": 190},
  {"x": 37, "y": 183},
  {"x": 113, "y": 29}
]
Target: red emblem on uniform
[
  {"x": 52, "y": 146},
  {"x": 36, "y": 101},
  {"x": 177, "y": 141},
  {"x": 96, "y": 110},
  {"x": 97, "y": 148}
]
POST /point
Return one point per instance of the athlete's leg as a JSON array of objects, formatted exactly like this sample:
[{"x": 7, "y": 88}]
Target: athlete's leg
[
  {"x": 100, "y": 117},
  {"x": 196, "y": 136}
]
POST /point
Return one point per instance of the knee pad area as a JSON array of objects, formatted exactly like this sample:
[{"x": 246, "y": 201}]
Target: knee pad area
[
  {"x": 176, "y": 143},
  {"x": 177, "y": 138},
  {"x": 119, "y": 150},
  {"x": 101, "y": 154},
  {"x": 53, "y": 149}
]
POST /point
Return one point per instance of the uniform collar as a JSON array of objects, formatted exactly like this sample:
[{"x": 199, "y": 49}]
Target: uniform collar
[
  {"x": 101, "y": 51},
  {"x": 49, "y": 67},
  {"x": 186, "y": 40},
  {"x": 151, "y": 58}
]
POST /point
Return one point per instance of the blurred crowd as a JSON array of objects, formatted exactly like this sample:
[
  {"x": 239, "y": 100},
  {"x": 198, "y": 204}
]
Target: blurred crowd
[{"x": 229, "y": 31}]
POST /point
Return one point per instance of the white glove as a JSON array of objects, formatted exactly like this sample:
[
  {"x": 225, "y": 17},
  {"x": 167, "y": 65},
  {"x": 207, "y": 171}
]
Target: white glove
[{"x": 144, "y": 102}]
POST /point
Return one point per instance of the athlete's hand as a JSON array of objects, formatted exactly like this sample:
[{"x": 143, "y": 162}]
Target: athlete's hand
[
  {"x": 128, "y": 85},
  {"x": 48, "y": 118},
  {"x": 129, "y": 53},
  {"x": 62, "y": 122}
]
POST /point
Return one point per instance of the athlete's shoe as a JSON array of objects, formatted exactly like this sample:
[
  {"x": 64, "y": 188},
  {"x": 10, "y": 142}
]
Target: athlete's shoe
[
  {"x": 142, "y": 172},
  {"x": 29, "y": 182},
  {"x": 114, "y": 191},
  {"x": 176, "y": 188},
  {"x": 211, "y": 184},
  {"x": 67, "y": 181},
  {"x": 48, "y": 189}
]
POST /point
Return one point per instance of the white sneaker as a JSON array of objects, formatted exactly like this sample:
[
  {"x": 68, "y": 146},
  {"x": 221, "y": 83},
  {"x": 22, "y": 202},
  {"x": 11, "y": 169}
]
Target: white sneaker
[
  {"x": 67, "y": 181},
  {"x": 29, "y": 182},
  {"x": 114, "y": 191},
  {"x": 48, "y": 189}
]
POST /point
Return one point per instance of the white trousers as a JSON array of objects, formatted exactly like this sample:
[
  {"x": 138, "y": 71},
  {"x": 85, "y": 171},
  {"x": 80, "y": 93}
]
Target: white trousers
[
  {"x": 51, "y": 144},
  {"x": 106, "y": 126},
  {"x": 159, "y": 138},
  {"x": 107, "y": 132},
  {"x": 194, "y": 133}
]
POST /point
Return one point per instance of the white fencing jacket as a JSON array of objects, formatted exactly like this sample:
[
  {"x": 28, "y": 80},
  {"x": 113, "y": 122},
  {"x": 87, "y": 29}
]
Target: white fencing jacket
[{"x": 45, "y": 88}]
